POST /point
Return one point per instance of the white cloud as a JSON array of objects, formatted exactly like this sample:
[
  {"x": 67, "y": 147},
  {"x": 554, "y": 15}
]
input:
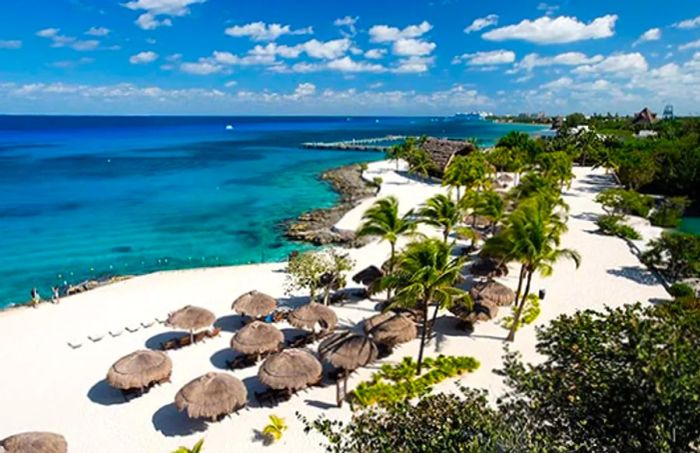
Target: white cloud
[
  {"x": 347, "y": 25},
  {"x": 385, "y": 33},
  {"x": 48, "y": 32},
  {"x": 327, "y": 50},
  {"x": 653, "y": 34},
  {"x": 10, "y": 44},
  {"x": 143, "y": 57},
  {"x": 375, "y": 54},
  {"x": 547, "y": 8},
  {"x": 412, "y": 47},
  {"x": 98, "y": 31},
  {"x": 618, "y": 65},
  {"x": 66, "y": 64},
  {"x": 414, "y": 65},
  {"x": 155, "y": 8},
  {"x": 347, "y": 64},
  {"x": 303, "y": 90},
  {"x": 486, "y": 58},
  {"x": 690, "y": 45},
  {"x": 533, "y": 60},
  {"x": 547, "y": 30},
  {"x": 202, "y": 67},
  {"x": 688, "y": 23},
  {"x": 230, "y": 84},
  {"x": 260, "y": 31},
  {"x": 563, "y": 82},
  {"x": 273, "y": 50},
  {"x": 58, "y": 40},
  {"x": 481, "y": 23}
]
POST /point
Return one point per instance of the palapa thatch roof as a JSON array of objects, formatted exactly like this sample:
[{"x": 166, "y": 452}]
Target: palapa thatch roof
[
  {"x": 35, "y": 442},
  {"x": 257, "y": 338},
  {"x": 645, "y": 116},
  {"x": 368, "y": 275},
  {"x": 348, "y": 351},
  {"x": 191, "y": 318},
  {"x": 489, "y": 267},
  {"x": 254, "y": 304},
  {"x": 493, "y": 291},
  {"x": 391, "y": 328},
  {"x": 291, "y": 369},
  {"x": 211, "y": 395},
  {"x": 441, "y": 151},
  {"x": 307, "y": 316},
  {"x": 139, "y": 369}
]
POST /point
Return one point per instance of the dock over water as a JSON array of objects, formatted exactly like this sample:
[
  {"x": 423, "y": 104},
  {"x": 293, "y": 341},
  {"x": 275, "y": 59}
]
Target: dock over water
[{"x": 363, "y": 144}]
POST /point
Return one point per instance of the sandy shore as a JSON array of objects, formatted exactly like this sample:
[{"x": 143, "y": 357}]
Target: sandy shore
[{"x": 45, "y": 384}]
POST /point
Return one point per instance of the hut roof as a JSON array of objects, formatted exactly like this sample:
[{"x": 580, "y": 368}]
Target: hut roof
[
  {"x": 191, "y": 318},
  {"x": 256, "y": 338},
  {"x": 211, "y": 395},
  {"x": 35, "y": 442},
  {"x": 645, "y": 116},
  {"x": 368, "y": 275},
  {"x": 441, "y": 151},
  {"x": 348, "y": 351},
  {"x": 489, "y": 267},
  {"x": 291, "y": 369},
  {"x": 139, "y": 369},
  {"x": 391, "y": 328},
  {"x": 254, "y": 304},
  {"x": 306, "y": 317},
  {"x": 493, "y": 291}
]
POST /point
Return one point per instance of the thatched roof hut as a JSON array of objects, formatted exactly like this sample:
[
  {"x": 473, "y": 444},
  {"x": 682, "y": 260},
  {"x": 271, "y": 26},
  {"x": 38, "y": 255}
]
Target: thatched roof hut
[
  {"x": 391, "y": 328},
  {"x": 291, "y": 369},
  {"x": 254, "y": 304},
  {"x": 493, "y": 291},
  {"x": 489, "y": 267},
  {"x": 140, "y": 369},
  {"x": 644, "y": 117},
  {"x": 257, "y": 338},
  {"x": 348, "y": 351},
  {"x": 368, "y": 275},
  {"x": 35, "y": 442},
  {"x": 211, "y": 396},
  {"x": 441, "y": 151},
  {"x": 307, "y": 316},
  {"x": 191, "y": 318}
]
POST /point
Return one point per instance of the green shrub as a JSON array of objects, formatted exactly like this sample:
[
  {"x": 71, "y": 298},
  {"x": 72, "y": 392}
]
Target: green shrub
[
  {"x": 363, "y": 167},
  {"x": 378, "y": 180},
  {"x": 612, "y": 226},
  {"x": 681, "y": 290},
  {"x": 620, "y": 201},
  {"x": 531, "y": 311},
  {"x": 669, "y": 213}
]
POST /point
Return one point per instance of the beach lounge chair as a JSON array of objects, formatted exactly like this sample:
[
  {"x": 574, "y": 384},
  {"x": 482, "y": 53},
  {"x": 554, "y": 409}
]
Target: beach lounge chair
[
  {"x": 268, "y": 396},
  {"x": 75, "y": 344},
  {"x": 115, "y": 333},
  {"x": 95, "y": 338},
  {"x": 184, "y": 341},
  {"x": 241, "y": 361},
  {"x": 133, "y": 328},
  {"x": 168, "y": 345},
  {"x": 200, "y": 336},
  {"x": 147, "y": 324},
  {"x": 213, "y": 332},
  {"x": 160, "y": 320}
]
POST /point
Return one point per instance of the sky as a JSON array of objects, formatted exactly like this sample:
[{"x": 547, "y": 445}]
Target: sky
[{"x": 413, "y": 57}]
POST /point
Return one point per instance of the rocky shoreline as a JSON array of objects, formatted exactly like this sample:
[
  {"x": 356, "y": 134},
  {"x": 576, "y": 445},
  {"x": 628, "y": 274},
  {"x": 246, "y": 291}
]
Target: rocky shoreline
[{"x": 317, "y": 226}]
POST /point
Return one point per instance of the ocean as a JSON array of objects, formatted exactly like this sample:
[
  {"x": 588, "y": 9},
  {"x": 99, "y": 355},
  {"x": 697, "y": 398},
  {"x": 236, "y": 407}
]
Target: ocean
[{"x": 91, "y": 197}]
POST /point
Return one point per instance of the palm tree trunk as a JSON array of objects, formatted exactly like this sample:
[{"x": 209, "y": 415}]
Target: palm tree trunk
[
  {"x": 445, "y": 235},
  {"x": 519, "y": 311},
  {"x": 422, "y": 337},
  {"x": 392, "y": 257},
  {"x": 312, "y": 294},
  {"x": 520, "y": 284},
  {"x": 326, "y": 294}
]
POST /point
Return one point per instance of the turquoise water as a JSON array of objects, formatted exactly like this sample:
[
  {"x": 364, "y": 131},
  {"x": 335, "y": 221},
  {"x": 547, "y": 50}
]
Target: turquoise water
[
  {"x": 89, "y": 197},
  {"x": 690, "y": 225}
]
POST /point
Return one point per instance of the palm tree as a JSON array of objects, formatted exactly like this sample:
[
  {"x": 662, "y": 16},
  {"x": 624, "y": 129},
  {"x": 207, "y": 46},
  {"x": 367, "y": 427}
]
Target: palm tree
[
  {"x": 442, "y": 212},
  {"x": 457, "y": 174},
  {"x": 420, "y": 162},
  {"x": 426, "y": 275},
  {"x": 275, "y": 428},
  {"x": 382, "y": 220},
  {"x": 531, "y": 236},
  {"x": 402, "y": 150},
  {"x": 492, "y": 206},
  {"x": 197, "y": 448}
]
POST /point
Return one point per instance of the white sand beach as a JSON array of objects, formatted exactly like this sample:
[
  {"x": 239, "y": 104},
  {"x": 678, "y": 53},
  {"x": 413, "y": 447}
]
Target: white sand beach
[{"x": 47, "y": 385}]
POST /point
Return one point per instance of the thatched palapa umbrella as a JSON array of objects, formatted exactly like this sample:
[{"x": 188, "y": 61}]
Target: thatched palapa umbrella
[
  {"x": 493, "y": 291},
  {"x": 257, "y": 338},
  {"x": 489, "y": 267},
  {"x": 254, "y": 304},
  {"x": 391, "y": 328},
  {"x": 140, "y": 369},
  {"x": 211, "y": 395},
  {"x": 191, "y": 318},
  {"x": 307, "y": 316},
  {"x": 291, "y": 369},
  {"x": 347, "y": 351},
  {"x": 368, "y": 275},
  {"x": 35, "y": 442}
]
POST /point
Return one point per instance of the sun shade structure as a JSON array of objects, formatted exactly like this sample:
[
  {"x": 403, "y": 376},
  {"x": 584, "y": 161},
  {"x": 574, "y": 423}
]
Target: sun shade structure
[
  {"x": 493, "y": 291},
  {"x": 291, "y": 369},
  {"x": 307, "y": 316},
  {"x": 368, "y": 275},
  {"x": 254, "y": 304},
  {"x": 489, "y": 267},
  {"x": 391, "y": 328},
  {"x": 35, "y": 442},
  {"x": 139, "y": 370},
  {"x": 348, "y": 351},
  {"x": 211, "y": 395},
  {"x": 442, "y": 151},
  {"x": 257, "y": 338},
  {"x": 191, "y": 318}
]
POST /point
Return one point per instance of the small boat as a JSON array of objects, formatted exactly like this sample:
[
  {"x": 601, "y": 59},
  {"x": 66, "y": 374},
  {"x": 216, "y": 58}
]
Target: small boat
[{"x": 229, "y": 127}]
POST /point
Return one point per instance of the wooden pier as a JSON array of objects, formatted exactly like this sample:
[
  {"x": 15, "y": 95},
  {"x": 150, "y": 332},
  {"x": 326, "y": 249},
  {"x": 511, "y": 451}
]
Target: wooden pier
[{"x": 364, "y": 144}]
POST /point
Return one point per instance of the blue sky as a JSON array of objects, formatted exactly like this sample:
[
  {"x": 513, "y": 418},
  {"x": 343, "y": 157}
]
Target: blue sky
[{"x": 348, "y": 57}]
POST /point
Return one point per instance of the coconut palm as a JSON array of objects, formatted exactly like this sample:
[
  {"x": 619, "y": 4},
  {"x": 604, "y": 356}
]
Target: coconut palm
[
  {"x": 457, "y": 174},
  {"x": 382, "y": 220},
  {"x": 442, "y": 212},
  {"x": 197, "y": 448},
  {"x": 426, "y": 275},
  {"x": 420, "y": 162},
  {"x": 492, "y": 206},
  {"x": 402, "y": 150},
  {"x": 531, "y": 236},
  {"x": 275, "y": 428}
]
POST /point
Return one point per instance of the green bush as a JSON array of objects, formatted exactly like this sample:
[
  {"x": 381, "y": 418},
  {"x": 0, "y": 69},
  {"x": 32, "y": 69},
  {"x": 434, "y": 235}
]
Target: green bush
[
  {"x": 378, "y": 180},
  {"x": 669, "y": 213},
  {"x": 612, "y": 226},
  {"x": 531, "y": 311},
  {"x": 620, "y": 201},
  {"x": 681, "y": 290}
]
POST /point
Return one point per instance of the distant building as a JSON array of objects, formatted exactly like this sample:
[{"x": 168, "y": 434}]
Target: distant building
[
  {"x": 441, "y": 151},
  {"x": 645, "y": 117},
  {"x": 646, "y": 134}
]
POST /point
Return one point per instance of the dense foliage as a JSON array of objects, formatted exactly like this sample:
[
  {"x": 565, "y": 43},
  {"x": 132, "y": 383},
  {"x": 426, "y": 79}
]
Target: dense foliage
[
  {"x": 612, "y": 225},
  {"x": 617, "y": 201},
  {"x": 676, "y": 255}
]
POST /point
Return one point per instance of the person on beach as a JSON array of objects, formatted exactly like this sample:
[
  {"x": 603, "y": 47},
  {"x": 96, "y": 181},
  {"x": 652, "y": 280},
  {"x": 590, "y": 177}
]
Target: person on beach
[
  {"x": 36, "y": 298},
  {"x": 55, "y": 298}
]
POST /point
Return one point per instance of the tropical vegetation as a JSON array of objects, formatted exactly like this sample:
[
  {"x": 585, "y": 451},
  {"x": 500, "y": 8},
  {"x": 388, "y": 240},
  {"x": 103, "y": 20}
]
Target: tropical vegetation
[{"x": 274, "y": 430}]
